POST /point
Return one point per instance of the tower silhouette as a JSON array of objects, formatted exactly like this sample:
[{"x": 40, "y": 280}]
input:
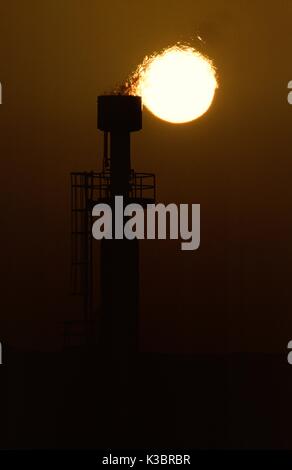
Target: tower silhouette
[{"x": 117, "y": 330}]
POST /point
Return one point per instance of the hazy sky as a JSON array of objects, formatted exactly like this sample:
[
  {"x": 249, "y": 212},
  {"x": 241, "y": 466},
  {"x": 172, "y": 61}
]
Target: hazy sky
[{"x": 56, "y": 56}]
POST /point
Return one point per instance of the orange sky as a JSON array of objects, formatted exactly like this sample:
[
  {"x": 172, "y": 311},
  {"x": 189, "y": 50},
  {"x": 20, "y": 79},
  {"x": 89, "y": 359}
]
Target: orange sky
[{"x": 234, "y": 293}]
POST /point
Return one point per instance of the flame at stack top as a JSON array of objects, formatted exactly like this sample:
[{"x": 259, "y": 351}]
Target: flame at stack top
[{"x": 177, "y": 85}]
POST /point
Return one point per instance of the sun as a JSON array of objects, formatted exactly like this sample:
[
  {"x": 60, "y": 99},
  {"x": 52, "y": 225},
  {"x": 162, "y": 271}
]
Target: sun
[{"x": 178, "y": 85}]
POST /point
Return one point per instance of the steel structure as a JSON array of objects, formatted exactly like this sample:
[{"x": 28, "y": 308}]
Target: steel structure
[{"x": 116, "y": 311}]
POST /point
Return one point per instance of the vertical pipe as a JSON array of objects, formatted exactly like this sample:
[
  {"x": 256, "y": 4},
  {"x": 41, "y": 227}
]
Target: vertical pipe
[
  {"x": 120, "y": 163},
  {"x": 105, "y": 151}
]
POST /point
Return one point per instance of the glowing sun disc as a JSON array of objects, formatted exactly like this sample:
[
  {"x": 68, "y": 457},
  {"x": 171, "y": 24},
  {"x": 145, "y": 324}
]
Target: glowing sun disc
[{"x": 177, "y": 85}]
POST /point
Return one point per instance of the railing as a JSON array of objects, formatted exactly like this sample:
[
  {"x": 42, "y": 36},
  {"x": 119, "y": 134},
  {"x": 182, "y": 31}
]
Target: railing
[
  {"x": 141, "y": 186},
  {"x": 87, "y": 189}
]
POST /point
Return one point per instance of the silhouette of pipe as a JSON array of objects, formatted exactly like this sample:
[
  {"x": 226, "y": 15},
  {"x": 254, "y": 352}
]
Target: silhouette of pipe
[{"x": 119, "y": 116}]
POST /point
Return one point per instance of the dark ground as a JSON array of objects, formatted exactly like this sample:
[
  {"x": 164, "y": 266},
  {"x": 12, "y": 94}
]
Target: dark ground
[{"x": 66, "y": 401}]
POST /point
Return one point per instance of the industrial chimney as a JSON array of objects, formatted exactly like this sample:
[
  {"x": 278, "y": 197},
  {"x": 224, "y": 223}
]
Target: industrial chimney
[{"x": 116, "y": 311}]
